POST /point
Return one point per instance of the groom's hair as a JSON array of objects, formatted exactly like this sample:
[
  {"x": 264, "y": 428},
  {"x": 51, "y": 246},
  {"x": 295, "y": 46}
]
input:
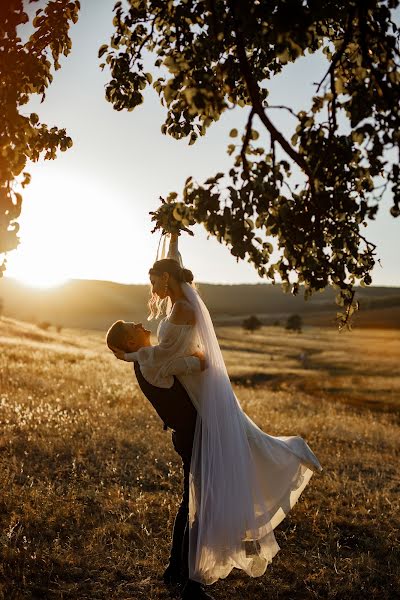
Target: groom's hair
[{"x": 117, "y": 336}]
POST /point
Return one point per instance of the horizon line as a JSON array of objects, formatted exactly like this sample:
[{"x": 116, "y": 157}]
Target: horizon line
[{"x": 73, "y": 279}]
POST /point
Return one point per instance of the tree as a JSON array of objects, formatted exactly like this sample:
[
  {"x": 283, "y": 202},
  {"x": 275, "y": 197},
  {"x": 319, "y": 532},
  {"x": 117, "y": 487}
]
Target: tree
[
  {"x": 221, "y": 54},
  {"x": 294, "y": 323},
  {"x": 25, "y": 70},
  {"x": 251, "y": 323}
]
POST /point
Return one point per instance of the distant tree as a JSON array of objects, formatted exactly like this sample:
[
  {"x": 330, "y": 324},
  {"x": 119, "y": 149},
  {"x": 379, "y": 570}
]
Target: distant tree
[
  {"x": 45, "y": 325},
  {"x": 25, "y": 70},
  {"x": 276, "y": 324},
  {"x": 222, "y": 54},
  {"x": 251, "y": 323},
  {"x": 1, "y": 306},
  {"x": 294, "y": 323},
  {"x": 58, "y": 328}
]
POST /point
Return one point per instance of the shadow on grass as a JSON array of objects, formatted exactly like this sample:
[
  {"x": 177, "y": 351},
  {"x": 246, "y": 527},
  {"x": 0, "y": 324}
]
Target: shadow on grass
[
  {"x": 253, "y": 379},
  {"x": 99, "y": 462},
  {"x": 347, "y": 562}
]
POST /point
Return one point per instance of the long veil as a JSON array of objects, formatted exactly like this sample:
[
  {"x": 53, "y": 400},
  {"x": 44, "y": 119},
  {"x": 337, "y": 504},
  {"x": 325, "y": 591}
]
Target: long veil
[{"x": 242, "y": 481}]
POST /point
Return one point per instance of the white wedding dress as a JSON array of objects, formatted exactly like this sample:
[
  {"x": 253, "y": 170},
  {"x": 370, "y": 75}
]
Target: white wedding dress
[{"x": 242, "y": 481}]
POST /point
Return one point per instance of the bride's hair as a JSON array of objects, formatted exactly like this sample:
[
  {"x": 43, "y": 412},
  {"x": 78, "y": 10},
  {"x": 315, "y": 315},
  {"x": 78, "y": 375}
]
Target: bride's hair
[{"x": 157, "y": 305}]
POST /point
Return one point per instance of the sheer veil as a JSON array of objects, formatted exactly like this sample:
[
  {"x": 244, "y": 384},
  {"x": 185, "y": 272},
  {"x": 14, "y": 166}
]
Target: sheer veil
[
  {"x": 225, "y": 506},
  {"x": 242, "y": 480}
]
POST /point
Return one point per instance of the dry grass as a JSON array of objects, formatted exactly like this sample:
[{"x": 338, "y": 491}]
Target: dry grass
[{"x": 90, "y": 482}]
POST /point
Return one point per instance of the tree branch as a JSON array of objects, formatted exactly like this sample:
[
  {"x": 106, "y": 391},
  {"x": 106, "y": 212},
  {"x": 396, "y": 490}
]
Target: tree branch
[
  {"x": 338, "y": 55},
  {"x": 254, "y": 93},
  {"x": 345, "y": 321},
  {"x": 144, "y": 42},
  {"x": 379, "y": 81},
  {"x": 273, "y": 160},
  {"x": 282, "y": 107},
  {"x": 371, "y": 249},
  {"x": 214, "y": 20},
  {"x": 333, "y": 121}
]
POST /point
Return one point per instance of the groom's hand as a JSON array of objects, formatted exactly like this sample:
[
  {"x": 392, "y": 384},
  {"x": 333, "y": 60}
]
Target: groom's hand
[
  {"x": 202, "y": 358},
  {"x": 118, "y": 353}
]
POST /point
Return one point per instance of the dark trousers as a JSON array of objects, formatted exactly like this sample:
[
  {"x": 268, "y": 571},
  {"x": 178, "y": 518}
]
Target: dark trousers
[
  {"x": 175, "y": 408},
  {"x": 179, "y": 556}
]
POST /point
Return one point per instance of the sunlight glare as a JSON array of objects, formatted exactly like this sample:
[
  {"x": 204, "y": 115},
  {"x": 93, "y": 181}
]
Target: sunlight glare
[{"x": 79, "y": 229}]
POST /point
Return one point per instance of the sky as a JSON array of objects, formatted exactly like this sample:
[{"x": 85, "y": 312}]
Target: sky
[{"x": 86, "y": 214}]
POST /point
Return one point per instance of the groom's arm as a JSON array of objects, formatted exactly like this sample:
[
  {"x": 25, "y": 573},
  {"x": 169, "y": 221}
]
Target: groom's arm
[{"x": 184, "y": 365}]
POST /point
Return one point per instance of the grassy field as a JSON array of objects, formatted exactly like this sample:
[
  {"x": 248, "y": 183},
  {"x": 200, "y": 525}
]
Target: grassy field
[{"x": 90, "y": 481}]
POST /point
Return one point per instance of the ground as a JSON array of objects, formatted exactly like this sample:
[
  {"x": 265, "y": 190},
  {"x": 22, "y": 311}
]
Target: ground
[{"x": 90, "y": 481}]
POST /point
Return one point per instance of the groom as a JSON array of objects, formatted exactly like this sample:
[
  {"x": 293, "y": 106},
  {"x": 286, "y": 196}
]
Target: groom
[{"x": 176, "y": 410}]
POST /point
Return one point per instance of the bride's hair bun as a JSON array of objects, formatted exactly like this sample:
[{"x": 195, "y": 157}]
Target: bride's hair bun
[
  {"x": 187, "y": 275},
  {"x": 171, "y": 266}
]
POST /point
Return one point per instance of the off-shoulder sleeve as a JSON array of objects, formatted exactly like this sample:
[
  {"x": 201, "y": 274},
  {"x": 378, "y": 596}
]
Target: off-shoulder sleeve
[
  {"x": 174, "y": 344},
  {"x": 187, "y": 365}
]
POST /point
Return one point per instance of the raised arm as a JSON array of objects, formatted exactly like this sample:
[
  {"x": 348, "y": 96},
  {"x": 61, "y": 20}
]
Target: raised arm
[{"x": 173, "y": 251}]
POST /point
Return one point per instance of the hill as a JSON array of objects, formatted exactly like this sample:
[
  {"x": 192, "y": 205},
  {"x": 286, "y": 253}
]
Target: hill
[{"x": 95, "y": 304}]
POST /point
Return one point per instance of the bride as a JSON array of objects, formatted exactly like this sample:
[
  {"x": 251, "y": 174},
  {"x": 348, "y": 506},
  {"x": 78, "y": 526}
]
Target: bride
[{"x": 243, "y": 482}]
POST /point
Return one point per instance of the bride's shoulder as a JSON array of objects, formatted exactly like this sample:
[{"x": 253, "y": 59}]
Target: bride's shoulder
[{"x": 182, "y": 313}]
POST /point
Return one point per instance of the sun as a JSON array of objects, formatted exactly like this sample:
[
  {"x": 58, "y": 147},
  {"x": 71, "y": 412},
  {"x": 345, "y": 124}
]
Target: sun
[
  {"x": 40, "y": 280},
  {"x": 39, "y": 261},
  {"x": 42, "y": 258},
  {"x": 35, "y": 269},
  {"x": 73, "y": 227}
]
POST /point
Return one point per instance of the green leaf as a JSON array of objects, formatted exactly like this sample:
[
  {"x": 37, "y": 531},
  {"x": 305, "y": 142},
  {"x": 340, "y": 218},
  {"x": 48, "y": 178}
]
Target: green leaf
[{"x": 102, "y": 50}]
